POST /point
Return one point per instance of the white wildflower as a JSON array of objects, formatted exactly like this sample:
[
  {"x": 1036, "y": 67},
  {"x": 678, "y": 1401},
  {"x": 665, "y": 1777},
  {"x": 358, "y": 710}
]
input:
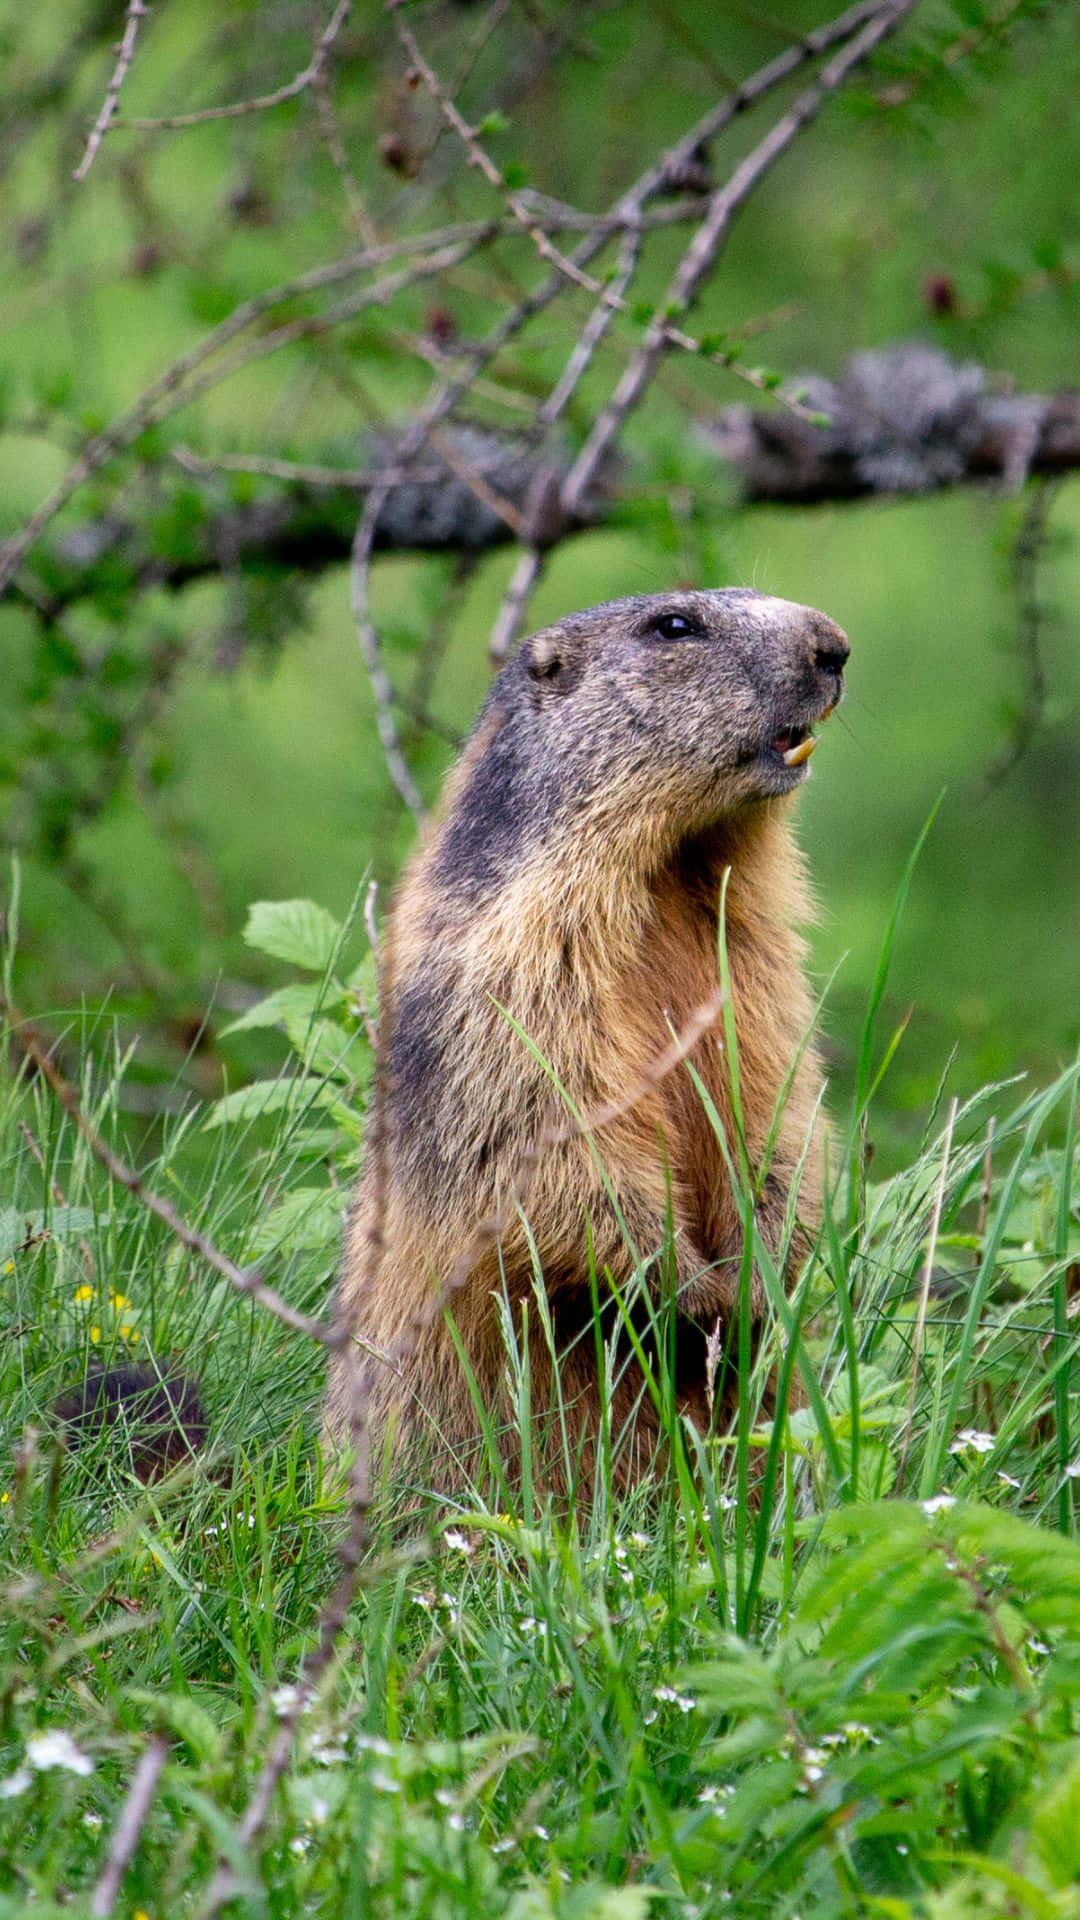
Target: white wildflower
[
  {"x": 93, "y": 1822},
  {"x": 970, "y": 1440},
  {"x": 372, "y": 1743},
  {"x": 457, "y": 1542},
  {"x": 382, "y": 1782},
  {"x": 326, "y": 1753},
  {"x": 1008, "y": 1479},
  {"x": 17, "y": 1783},
  {"x": 1072, "y": 1471},
  {"x": 299, "y": 1844},
  {"x": 57, "y": 1749},
  {"x": 320, "y": 1811},
  {"x": 286, "y": 1698},
  {"x": 681, "y": 1700},
  {"x": 503, "y": 1846},
  {"x": 940, "y": 1503},
  {"x": 900, "y": 1847},
  {"x": 541, "y": 1833}
]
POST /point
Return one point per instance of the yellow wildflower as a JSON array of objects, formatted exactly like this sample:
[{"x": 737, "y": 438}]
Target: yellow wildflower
[
  {"x": 119, "y": 1301},
  {"x": 129, "y": 1333},
  {"x": 95, "y": 1336},
  {"x": 84, "y": 1293}
]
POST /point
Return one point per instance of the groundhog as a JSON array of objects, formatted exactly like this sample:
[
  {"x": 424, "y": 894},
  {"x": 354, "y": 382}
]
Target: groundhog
[{"x": 555, "y": 931}]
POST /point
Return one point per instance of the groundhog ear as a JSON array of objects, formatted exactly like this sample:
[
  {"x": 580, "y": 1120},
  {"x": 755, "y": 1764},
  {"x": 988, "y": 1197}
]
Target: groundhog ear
[{"x": 547, "y": 660}]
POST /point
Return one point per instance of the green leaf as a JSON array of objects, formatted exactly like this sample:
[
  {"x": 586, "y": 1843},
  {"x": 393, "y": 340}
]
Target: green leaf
[
  {"x": 309, "y": 1217},
  {"x": 285, "y": 1008},
  {"x": 182, "y": 1715},
  {"x": 17, "y": 1227},
  {"x": 295, "y": 930},
  {"x": 269, "y": 1096}
]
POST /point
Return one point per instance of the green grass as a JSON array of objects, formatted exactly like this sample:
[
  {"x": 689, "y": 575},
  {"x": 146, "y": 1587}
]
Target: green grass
[{"x": 851, "y": 1693}]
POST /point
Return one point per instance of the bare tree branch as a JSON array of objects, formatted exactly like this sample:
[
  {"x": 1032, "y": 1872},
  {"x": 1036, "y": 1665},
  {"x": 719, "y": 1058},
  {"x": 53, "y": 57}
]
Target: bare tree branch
[
  {"x": 129, "y": 1826},
  {"x": 1027, "y": 553},
  {"x": 237, "y": 109},
  {"x": 900, "y": 419},
  {"x": 382, "y": 691},
  {"x": 125, "y": 53},
  {"x": 704, "y": 249}
]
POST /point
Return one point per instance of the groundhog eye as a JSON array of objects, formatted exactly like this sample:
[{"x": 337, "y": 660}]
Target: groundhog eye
[{"x": 675, "y": 626}]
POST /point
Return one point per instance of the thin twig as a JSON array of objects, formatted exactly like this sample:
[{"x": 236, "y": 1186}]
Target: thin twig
[
  {"x": 471, "y": 476},
  {"x": 1026, "y": 555},
  {"x": 527, "y": 573},
  {"x": 174, "y": 388},
  {"x": 354, "y": 478},
  {"x": 382, "y": 690},
  {"x": 236, "y": 109},
  {"x": 129, "y": 1826},
  {"x": 479, "y": 157},
  {"x": 125, "y": 53},
  {"x": 361, "y": 220},
  {"x": 514, "y": 601},
  {"x": 245, "y": 1280},
  {"x": 568, "y": 265},
  {"x": 708, "y": 241}
]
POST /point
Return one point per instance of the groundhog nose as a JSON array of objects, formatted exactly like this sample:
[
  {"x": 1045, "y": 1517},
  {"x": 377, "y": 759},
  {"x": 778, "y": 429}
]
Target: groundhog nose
[{"x": 829, "y": 644}]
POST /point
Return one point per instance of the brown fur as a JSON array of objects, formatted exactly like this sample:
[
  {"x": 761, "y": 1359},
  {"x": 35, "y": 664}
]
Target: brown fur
[{"x": 573, "y": 880}]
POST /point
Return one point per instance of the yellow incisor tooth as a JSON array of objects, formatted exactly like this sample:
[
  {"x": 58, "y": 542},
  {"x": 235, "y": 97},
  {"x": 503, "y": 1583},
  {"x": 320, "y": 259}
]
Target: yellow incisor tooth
[{"x": 795, "y": 756}]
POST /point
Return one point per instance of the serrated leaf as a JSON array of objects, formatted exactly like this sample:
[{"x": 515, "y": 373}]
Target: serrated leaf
[
  {"x": 309, "y": 1217},
  {"x": 295, "y": 930},
  {"x": 1055, "y": 1827},
  {"x": 269, "y": 1096},
  {"x": 184, "y": 1716},
  {"x": 289, "y": 1004}
]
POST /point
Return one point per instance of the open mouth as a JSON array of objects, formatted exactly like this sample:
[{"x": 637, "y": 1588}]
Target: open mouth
[{"x": 794, "y": 745}]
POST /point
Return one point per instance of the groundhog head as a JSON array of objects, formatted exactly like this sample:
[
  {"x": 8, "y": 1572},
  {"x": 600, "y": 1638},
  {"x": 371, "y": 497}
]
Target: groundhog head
[
  {"x": 644, "y": 720},
  {"x": 711, "y": 696}
]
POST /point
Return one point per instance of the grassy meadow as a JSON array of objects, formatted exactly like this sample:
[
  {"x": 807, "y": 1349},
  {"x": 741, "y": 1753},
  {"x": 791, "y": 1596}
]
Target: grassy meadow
[{"x": 823, "y": 1665}]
